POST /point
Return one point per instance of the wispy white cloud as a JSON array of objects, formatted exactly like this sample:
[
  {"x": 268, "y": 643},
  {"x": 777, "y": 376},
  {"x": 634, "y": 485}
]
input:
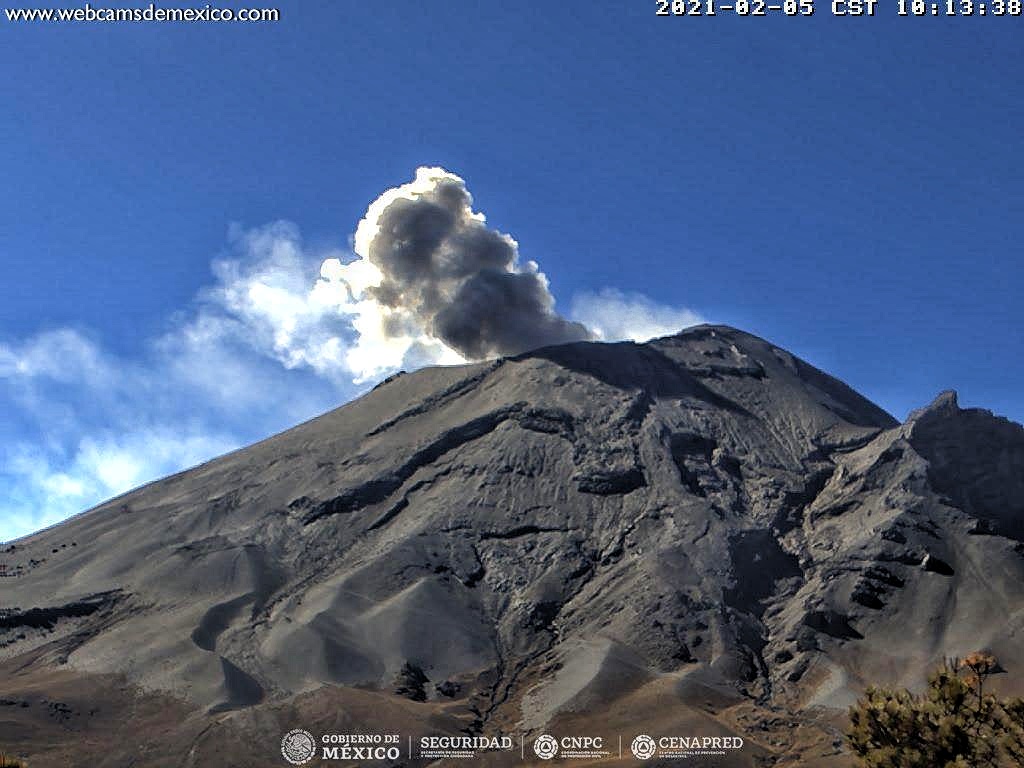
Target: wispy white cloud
[
  {"x": 616, "y": 316},
  {"x": 42, "y": 487},
  {"x": 253, "y": 355},
  {"x": 309, "y": 310}
]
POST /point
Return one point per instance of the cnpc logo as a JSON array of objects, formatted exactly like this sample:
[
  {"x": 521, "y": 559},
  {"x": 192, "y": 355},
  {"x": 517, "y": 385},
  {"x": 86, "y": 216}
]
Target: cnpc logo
[{"x": 547, "y": 746}]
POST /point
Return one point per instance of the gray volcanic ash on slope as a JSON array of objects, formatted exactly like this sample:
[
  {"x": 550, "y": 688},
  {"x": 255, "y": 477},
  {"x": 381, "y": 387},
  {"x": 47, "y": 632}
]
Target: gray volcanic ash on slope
[{"x": 699, "y": 532}]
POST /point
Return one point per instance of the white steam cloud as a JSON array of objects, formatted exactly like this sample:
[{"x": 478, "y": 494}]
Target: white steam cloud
[{"x": 613, "y": 315}]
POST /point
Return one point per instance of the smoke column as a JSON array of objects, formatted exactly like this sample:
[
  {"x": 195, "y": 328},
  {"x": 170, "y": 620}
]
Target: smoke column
[{"x": 434, "y": 268}]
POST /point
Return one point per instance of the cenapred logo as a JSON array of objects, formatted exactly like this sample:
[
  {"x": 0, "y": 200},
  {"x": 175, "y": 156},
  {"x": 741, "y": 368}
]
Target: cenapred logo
[
  {"x": 298, "y": 746},
  {"x": 545, "y": 747},
  {"x": 643, "y": 747}
]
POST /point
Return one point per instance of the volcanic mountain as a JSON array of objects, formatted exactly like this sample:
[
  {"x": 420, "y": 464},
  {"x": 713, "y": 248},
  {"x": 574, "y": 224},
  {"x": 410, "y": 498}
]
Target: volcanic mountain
[{"x": 699, "y": 535}]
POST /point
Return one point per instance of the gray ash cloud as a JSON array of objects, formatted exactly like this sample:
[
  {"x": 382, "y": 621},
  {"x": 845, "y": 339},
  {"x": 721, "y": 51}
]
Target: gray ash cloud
[{"x": 450, "y": 275}]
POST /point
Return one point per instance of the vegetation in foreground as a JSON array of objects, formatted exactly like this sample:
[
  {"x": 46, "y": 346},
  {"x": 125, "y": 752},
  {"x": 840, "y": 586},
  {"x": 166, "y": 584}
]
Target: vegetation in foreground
[{"x": 953, "y": 724}]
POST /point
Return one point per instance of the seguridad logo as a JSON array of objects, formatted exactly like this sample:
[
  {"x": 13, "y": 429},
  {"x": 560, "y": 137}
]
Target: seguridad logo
[{"x": 461, "y": 747}]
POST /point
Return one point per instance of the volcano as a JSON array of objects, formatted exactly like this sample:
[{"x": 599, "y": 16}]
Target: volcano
[{"x": 699, "y": 535}]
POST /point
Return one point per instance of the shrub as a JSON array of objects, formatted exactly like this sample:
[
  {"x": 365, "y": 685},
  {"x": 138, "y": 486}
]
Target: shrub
[{"x": 953, "y": 724}]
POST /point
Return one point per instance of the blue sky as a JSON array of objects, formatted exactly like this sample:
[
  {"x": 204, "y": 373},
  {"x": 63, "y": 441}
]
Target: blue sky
[{"x": 848, "y": 188}]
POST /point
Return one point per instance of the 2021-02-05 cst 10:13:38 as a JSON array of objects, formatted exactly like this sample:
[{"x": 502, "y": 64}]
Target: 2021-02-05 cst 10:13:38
[{"x": 918, "y": 8}]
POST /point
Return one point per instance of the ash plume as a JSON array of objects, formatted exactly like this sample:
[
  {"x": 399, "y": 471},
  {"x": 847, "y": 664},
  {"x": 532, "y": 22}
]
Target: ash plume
[{"x": 439, "y": 270}]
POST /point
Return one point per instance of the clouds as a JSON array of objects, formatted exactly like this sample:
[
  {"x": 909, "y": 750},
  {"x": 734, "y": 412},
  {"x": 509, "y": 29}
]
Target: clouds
[
  {"x": 80, "y": 425},
  {"x": 256, "y": 352},
  {"x": 311, "y": 310},
  {"x": 43, "y": 485},
  {"x": 283, "y": 332},
  {"x": 612, "y": 314}
]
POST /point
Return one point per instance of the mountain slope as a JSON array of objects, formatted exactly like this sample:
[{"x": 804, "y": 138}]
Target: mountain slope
[{"x": 703, "y": 528}]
